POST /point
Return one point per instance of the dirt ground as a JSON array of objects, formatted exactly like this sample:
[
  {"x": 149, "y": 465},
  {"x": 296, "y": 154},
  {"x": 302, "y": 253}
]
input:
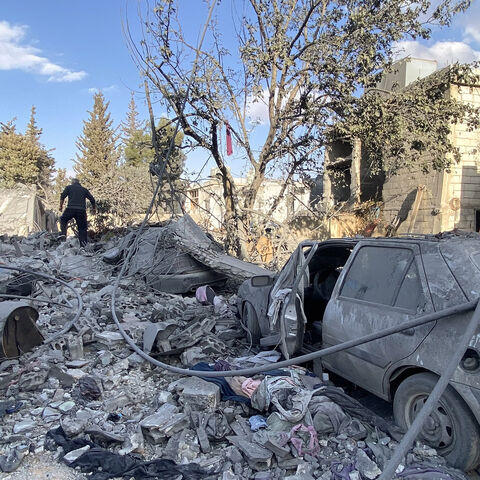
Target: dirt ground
[{"x": 43, "y": 466}]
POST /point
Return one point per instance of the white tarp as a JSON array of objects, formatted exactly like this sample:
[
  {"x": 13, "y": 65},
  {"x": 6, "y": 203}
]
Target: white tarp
[{"x": 22, "y": 212}]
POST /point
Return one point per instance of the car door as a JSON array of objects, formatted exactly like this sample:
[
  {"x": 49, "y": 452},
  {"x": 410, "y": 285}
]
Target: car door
[
  {"x": 285, "y": 312},
  {"x": 382, "y": 285}
]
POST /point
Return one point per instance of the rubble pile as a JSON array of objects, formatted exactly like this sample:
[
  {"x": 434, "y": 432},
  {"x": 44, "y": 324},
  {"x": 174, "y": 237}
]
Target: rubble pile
[{"x": 106, "y": 411}]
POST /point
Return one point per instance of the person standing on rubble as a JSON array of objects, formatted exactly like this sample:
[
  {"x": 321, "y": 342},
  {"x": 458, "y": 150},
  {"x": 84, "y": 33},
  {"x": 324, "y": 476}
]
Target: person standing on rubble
[{"x": 76, "y": 208}]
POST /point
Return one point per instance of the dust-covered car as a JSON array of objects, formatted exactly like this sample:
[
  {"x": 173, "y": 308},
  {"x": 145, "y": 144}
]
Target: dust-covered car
[{"x": 343, "y": 289}]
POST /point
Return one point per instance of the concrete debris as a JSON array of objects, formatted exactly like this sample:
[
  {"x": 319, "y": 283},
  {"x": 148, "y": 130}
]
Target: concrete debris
[{"x": 104, "y": 396}]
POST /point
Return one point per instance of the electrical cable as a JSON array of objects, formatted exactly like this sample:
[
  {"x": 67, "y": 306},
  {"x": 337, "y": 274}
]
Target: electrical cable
[{"x": 422, "y": 320}]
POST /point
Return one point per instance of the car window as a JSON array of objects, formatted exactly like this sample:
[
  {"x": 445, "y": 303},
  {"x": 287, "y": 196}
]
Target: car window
[
  {"x": 410, "y": 295},
  {"x": 376, "y": 274}
]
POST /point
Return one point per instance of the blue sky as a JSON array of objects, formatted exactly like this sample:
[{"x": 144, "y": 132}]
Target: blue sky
[{"x": 54, "y": 54}]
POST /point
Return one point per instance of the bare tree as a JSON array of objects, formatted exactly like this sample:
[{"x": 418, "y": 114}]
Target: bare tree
[{"x": 305, "y": 60}]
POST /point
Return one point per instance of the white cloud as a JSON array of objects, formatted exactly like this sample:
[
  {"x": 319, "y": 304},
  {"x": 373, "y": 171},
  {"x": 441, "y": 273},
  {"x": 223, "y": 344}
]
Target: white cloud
[
  {"x": 111, "y": 88},
  {"x": 472, "y": 32},
  {"x": 445, "y": 53},
  {"x": 16, "y": 55}
]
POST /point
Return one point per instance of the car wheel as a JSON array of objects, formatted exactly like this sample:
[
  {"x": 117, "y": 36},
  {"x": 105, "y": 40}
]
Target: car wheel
[
  {"x": 451, "y": 428},
  {"x": 250, "y": 322}
]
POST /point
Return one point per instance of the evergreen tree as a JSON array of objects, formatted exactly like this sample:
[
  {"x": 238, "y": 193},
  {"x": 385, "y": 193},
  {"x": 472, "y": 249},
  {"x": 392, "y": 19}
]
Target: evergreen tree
[
  {"x": 18, "y": 157},
  {"x": 98, "y": 156},
  {"x": 45, "y": 162},
  {"x": 22, "y": 158},
  {"x": 131, "y": 125},
  {"x": 33, "y": 132},
  {"x": 60, "y": 182}
]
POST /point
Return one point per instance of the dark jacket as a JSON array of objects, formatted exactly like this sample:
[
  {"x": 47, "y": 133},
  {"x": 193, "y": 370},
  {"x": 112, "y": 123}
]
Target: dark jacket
[{"x": 76, "y": 196}]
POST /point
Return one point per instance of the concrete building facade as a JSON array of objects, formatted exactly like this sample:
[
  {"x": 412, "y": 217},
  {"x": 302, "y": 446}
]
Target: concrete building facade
[
  {"x": 204, "y": 202},
  {"x": 411, "y": 201}
]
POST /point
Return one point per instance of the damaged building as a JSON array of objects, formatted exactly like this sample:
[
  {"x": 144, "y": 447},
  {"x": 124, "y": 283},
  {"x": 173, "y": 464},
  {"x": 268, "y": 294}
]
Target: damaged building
[
  {"x": 412, "y": 201},
  {"x": 205, "y": 203}
]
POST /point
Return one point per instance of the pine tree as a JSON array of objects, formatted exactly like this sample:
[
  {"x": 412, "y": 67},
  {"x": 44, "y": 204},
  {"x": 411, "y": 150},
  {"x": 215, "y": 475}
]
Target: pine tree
[
  {"x": 45, "y": 162},
  {"x": 23, "y": 159},
  {"x": 131, "y": 125},
  {"x": 33, "y": 132},
  {"x": 18, "y": 157},
  {"x": 98, "y": 156}
]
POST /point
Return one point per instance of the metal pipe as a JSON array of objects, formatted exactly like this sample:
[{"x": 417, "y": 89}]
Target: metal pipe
[{"x": 432, "y": 400}]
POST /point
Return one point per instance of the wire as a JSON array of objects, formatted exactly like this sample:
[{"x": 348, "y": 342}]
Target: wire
[{"x": 69, "y": 324}]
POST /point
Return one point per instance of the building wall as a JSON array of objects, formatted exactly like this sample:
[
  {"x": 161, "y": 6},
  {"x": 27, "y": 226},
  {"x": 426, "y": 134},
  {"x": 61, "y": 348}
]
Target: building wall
[
  {"x": 450, "y": 198},
  {"x": 399, "y": 194},
  {"x": 205, "y": 201},
  {"x": 463, "y": 187}
]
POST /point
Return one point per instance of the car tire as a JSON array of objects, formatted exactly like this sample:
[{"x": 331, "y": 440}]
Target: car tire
[
  {"x": 250, "y": 321},
  {"x": 451, "y": 428}
]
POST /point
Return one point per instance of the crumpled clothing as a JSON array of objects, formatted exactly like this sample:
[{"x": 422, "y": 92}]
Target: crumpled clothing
[
  {"x": 257, "y": 422},
  {"x": 340, "y": 471},
  {"x": 223, "y": 366},
  {"x": 421, "y": 472},
  {"x": 276, "y": 304},
  {"x": 249, "y": 386},
  {"x": 327, "y": 416},
  {"x": 105, "y": 465},
  {"x": 357, "y": 410},
  {"x": 304, "y": 439},
  {"x": 286, "y": 394},
  {"x": 236, "y": 384}
]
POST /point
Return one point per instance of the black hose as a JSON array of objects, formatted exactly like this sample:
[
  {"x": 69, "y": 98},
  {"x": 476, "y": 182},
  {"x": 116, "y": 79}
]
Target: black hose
[{"x": 431, "y": 317}]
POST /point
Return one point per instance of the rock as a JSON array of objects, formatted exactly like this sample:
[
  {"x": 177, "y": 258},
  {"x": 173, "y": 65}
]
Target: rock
[
  {"x": 133, "y": 443},
  {"x": 23, "y": 426},
  {"x": 182, "y": 447},
  {"x": 76, "y": 363},
  {"x": 367, "y": 468},
  {"x": 75, "y": 347},
  {"x": 76, "y": 374},
  {"x": 233, "y": 454},
  {"x": 50, "y": 414},
  {"x": 164, "y": 397},
  {"x": 32, "y": 381},
  {"x": 100, "y": 436},
  {"x": 66, "y": 406},
  {"x": 87, "y": 389},
  {"x": 193, "y": 355},
  {"x": 258, "y": 457},
  {"x": 109, "y": 338},
  {"x": 105, "y": 357},
  {"x": 75, "y": 454},
  {"x": 164, "y": 423},
  {"x": 11, "y": 460},
  {"x": 198, "y": 393},
  {"x": 135, "y": 359}
]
